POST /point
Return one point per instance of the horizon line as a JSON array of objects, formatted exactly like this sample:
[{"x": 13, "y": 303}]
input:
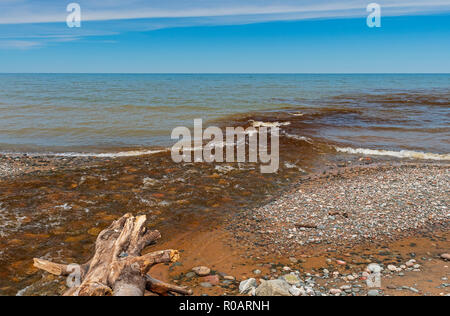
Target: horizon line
[{"x": 224, "y": 73}]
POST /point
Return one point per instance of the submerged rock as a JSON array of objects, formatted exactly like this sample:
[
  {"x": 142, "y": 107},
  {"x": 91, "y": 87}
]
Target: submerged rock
[{"x": 202, "y": 271}]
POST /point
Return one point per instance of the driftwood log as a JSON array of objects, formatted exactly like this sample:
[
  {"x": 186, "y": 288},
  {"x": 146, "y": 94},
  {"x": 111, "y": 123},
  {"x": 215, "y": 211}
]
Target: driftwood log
[{"x": 118, "y": 268}]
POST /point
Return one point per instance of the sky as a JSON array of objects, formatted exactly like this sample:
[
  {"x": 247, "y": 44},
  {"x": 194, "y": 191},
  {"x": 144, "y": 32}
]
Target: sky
[{"x": 227, "y": 36}]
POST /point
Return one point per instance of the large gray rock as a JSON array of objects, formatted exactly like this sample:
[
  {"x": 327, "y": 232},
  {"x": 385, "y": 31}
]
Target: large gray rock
[
  {"x": 246, "y": 286},
  {"x": 273, "y": 288}
]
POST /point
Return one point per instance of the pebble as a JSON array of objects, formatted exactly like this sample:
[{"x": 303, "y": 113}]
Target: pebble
[
  {"x": 213, "y": 279},
  {"x": 374, "y": 268},
  {"x": 373, "y": 293},
  {"x": 297, "y": 291},
  {"x": 202, "y": 271},
  {"x": 292, "y": 279},
  {"x": 206, "y": 285},
  {"x": 246, "y": 286},
  {"x": 445, "y": 256},
  {"x": 414, "y": 290},
  {"x": 392, "y": 268},
  {"x": 335, "y": 291}
]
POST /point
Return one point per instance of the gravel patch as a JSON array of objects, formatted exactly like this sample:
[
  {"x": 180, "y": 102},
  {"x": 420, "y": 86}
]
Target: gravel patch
[{"x": 357, "y": 206}]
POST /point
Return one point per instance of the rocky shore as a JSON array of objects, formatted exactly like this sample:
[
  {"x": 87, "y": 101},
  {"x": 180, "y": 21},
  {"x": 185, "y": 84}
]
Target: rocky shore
[
  {"x": 319, "y": 238},
  {"x": 391, "y": 273},
  {"x": 349, "y": 208},
  {"x": 20, "y": 164},
  {"x": 333, "y": 234}
]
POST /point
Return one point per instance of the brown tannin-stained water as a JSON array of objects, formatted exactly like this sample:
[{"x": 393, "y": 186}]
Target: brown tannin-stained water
[{"x": 57, "y": 215}]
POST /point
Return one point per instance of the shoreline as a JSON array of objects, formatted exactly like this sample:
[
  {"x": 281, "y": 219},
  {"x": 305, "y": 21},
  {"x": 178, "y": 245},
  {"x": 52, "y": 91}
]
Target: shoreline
[{"x": 216, "y": 245}]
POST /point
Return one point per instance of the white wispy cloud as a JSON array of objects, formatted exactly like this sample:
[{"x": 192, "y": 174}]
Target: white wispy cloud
[
  {"x": 47, "y": 11},
  {"x": 19, "y": 44},
  {"x": 28, "y": 24}
]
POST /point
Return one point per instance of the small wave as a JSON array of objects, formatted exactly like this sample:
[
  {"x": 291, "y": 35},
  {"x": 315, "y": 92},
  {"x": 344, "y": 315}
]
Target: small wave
[
  {"x": 132, "y": 153},
  {"x": 297, "y": 137},
  {"x": 258, "y": 124},
  {"x": 224, "y": 169},
  {"x": 23, "y": 291},
  {"x": 65, "y": 207},
  {"x": 150, "y": 182},
  {"x": 293, "y": 166},
  {"x": 397, "y": 154}
]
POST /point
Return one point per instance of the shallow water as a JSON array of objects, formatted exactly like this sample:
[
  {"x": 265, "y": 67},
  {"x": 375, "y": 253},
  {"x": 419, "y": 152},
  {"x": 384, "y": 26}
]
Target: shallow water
[{"x": 58, "y": 215}]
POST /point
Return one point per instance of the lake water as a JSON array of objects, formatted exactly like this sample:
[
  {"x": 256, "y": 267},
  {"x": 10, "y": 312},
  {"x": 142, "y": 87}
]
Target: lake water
[{"x": 95, "y": 113}]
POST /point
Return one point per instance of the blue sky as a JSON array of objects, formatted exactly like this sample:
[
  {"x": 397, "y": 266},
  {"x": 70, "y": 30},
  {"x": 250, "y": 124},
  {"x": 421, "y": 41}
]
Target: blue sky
[{"x": 237, "y": 36}]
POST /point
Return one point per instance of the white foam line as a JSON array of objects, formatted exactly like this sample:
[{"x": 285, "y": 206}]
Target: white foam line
[
  {"x": 268, "y": 124},
  {"x": 133, "y": 153},
  {"x": 397, "y": 154},
  {"x": 301, "y": 138}
]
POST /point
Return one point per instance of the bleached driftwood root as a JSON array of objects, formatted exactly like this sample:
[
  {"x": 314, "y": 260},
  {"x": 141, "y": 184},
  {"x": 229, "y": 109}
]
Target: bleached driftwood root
[{"x": 118, "y": 268}]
